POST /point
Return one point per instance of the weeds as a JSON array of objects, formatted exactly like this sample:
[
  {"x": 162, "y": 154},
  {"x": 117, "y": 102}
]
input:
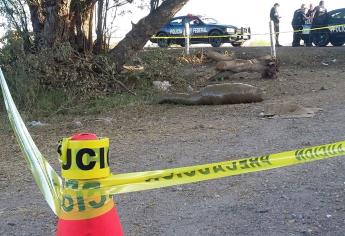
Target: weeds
[
  {"x": 62, "y": 81},
  {"x": 163, "y": 65},
  {"x": 5, "y": 126}
]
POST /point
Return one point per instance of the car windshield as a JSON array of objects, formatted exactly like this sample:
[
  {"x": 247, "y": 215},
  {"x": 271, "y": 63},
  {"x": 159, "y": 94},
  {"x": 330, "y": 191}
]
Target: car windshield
[{"x": 208, "y": 20}]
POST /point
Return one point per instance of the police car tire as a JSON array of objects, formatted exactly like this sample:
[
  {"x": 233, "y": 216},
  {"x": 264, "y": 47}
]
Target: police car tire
[
  {"x": 337, "y": 43},
  {"x": 216, "y": 43},
  {"x": 235, "y": 44},
  {"x": 163, "y": 43},
  {"x": 324, "y": 42}
]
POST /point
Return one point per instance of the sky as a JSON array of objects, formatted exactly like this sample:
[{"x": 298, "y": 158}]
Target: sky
[{"x": 244, "y": 13}]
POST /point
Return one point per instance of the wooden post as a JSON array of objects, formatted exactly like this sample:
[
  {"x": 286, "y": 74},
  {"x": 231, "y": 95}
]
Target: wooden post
[
  {"x": 187, "y": 39},
  {"x": 273, "y": 40}
]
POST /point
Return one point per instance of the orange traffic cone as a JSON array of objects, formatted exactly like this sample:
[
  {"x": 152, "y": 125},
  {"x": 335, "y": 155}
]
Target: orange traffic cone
[{"x": 84, "y": 160}]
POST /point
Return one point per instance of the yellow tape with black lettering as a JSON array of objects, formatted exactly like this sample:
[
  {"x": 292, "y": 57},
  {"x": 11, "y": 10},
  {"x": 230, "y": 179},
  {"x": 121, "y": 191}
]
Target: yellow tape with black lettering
[
  {"x": 83, "y": 199},
  {"x": 90, "y": 203},
  {"x": 131, "y": 182},
  {"x": 84, "y": 159},
  {"x": 86, "y": 198}
]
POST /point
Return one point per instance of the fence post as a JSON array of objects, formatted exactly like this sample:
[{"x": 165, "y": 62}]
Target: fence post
[
  {"x": 187, "y": 39},
  {"x": 273, "y": 40}
]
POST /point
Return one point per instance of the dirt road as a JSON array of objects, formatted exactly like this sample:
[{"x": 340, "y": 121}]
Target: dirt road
[{"x": 300, "y": 200}]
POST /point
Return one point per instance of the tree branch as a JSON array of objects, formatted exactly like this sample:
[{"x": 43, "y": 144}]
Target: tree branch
[{"x": 136, "y": 39}]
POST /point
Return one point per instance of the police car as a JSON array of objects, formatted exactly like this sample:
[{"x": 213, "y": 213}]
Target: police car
[
  {"x": 335, "y": 34},
  {"x": 201, "y": 28}
]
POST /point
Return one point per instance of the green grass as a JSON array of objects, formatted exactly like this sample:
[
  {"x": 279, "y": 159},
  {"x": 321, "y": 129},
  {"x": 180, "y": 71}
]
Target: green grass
[
  {"x": 5, "y": 126},
  {"x": 28, "y": 86},
  {"x": 124, "y": 100}
]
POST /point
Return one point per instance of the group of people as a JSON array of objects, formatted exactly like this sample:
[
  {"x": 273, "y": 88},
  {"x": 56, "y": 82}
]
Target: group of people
[{"x": 315, "y": 16}]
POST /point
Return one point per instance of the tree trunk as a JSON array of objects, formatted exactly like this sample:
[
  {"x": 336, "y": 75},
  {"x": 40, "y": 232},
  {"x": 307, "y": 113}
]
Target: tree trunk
[
  {"x": 81, "y": 24},
  {"x": 56, "y": 21},
  {"x": 37, "y": 21},
  {"x": 99, "y": 29},
  {"x": 59, "y": 21},
  {"x": 90, "y": 38},
  {"x": 141, "y": 32}
]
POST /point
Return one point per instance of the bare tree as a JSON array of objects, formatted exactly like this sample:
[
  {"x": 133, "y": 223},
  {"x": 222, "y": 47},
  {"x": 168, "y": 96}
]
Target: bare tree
[
  {"x": 141, "y": 32},
  {"x": 104, "y": 10},
  {"x": 16, "y": 14},
  {"x": 66, "y": 21},
  {"x": 72, "y": 21}
]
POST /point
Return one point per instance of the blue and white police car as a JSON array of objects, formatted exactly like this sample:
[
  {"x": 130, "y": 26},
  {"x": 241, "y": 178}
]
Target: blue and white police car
[
  {"x": 334, "y": 34},
  {"x": 203, "y": 30}
]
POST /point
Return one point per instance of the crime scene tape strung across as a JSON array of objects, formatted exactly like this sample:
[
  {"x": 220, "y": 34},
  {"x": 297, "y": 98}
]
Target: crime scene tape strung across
[
  {"x": 46, "y": 178},
  {"x": 131, "y": 182},
  {"x": 79, "y": 196},
  {"x": 79, "y": 202},
  {"x": 332, "y": 27}
]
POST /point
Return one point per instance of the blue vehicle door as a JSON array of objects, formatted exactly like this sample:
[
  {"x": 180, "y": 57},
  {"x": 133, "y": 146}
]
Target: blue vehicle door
[
  {"x": 197, "y": 28},
  {"x": 337, "y": 26},
  {"x": 176, "y": 27}
]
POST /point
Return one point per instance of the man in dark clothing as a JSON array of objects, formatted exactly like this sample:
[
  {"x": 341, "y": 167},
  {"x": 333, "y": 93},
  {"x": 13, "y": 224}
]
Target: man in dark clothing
[
  {"x": 275, "y": 18},
  {"x": 299, "y": 18},
  {"x": 308, "y": 40},
  {"x": 320, "y": 15},
  {"x": 310, "y": 12},
  {"x": 320, "y": 20}
]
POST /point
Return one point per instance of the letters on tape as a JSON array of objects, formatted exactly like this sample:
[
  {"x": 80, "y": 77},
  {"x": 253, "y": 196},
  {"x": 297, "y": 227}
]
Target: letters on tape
[
  {"x": 88, "y": 185},
  {"x": 86, "y": 204},
  {"x": 84, "y": 159},
  {"x": 123, "y": 183}
]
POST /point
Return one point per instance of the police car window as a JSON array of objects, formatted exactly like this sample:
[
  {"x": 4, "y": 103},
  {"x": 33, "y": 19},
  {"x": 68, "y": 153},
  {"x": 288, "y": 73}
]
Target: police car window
[
  {"x": 208, "y": 20},
  {"x": 176, "y": 22},
  {"x": 194, "y": 22},
  {"x": 339, "y": 15}
]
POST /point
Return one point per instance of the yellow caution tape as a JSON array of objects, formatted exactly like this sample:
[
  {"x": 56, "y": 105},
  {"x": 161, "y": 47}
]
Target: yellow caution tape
[
  {"x": 131, "y": 182},
  {"x": 82, "y": 199},
  {"x": 235, "y": 35},
  {"x": 76, "y": 205},
  {"x": 84, "y": 159},
  {"x": 45, "y": 177},
  {"x": 85, "y": 192}
]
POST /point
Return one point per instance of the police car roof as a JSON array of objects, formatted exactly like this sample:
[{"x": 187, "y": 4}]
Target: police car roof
[
  {"x": 187, "y": 16},
  {"x": 340, "y": 9}
]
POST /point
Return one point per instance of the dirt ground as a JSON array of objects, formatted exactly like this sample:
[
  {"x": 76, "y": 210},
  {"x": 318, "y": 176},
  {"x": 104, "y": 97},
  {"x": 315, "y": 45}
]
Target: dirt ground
[{"x": 299, "y": 200}]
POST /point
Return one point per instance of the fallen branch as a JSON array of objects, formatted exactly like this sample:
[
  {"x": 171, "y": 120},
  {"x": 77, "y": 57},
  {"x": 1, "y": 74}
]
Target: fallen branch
[
  {"x": 266, "y": 66},
  {"x": 115, "y": 80},
  {"x": 216, "y": 56}
]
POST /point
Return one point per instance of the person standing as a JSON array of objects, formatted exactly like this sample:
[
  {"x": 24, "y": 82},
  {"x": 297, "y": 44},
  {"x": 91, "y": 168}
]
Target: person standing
[
  {"x": 299, "y": 18},
  {"x": 276, "y": 19},
  {"x": 308, "y": 40},
  {"x": 320, "y": 20},
  {"x": 320, "y": 15},
  {"x": 310, "y": 12}
]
